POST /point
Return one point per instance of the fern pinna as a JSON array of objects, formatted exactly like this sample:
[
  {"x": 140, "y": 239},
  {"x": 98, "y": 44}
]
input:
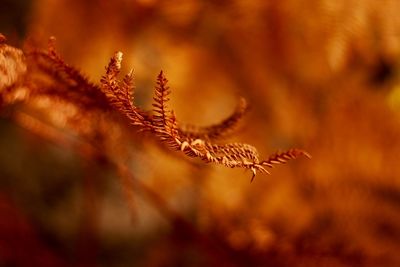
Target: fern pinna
[{"x": 192, "y": 140}]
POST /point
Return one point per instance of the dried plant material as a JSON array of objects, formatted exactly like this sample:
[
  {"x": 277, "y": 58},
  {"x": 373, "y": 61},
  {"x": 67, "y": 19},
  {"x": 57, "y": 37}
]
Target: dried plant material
[
  {"x": 283, "y": 157},
  {"x": 193, "y": 141},
  {"x": 220, "y": 130},
  {"x": 66, "y": 83},
  {"x": 120, "y": 93},
  {"x": 12, "y": 64},
  {"x": 324, "y": 75},
  {"x": 50, "y": 75}
]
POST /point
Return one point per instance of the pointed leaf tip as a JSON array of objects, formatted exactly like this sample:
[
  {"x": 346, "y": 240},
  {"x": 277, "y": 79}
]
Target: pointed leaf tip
[
  {"x": 161, "y": 76},
  {"x": 118, "y": 58},
  {"x": 303, "y": 153}
]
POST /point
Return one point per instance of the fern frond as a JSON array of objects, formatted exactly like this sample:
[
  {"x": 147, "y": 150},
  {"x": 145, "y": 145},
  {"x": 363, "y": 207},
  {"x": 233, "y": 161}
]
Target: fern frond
[
  {"x": 63, "y": 80},
  {"x": 238, "y": 155},
  {"x": 164, "y": 120},
  {"x": 128, "y": 87},
  {"x": 120, "y": 93},
  {"x": 110, "y": 84},
  {"x": 71, "y": 73},
  {"x": 50, "y": 76},
  {"x": 283, "y": 157},
  {"x": 234, "y": 155},
  {"x": 217, "y": 131},
  {"x": 52, "y": 63}
]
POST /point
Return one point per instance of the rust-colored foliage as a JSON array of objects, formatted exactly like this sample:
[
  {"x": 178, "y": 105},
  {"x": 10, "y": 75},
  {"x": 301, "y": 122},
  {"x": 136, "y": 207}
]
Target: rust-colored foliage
[
  {"x": 197, "y": 142},
  {"x": 118, "y": 95},
  {"x": 109, "y": 167}
]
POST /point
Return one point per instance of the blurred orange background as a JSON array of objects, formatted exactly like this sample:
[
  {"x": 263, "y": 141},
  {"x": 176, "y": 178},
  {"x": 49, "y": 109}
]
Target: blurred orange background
[{"x": 318, "y": 75}]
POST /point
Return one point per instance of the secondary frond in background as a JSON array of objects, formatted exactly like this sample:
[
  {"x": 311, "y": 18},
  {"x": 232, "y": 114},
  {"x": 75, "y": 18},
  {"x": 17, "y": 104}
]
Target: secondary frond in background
[{"x": 50, "y": 75}]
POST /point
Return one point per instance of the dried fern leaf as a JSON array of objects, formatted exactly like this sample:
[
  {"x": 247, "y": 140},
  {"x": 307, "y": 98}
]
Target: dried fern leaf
[
  {"x": 12, "y": 64},
  {"x": 164, "y": 120},
  {"x": 234, "y": 155},
  {"x": 50, "y": 61},
  {"x": 120, "y": 93},
  {"x": 283, "y": 157},
  {"x": 50, "y": 75},
  {"x": 70, "y": 72},
  {"x": 220, "y": 130}
]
